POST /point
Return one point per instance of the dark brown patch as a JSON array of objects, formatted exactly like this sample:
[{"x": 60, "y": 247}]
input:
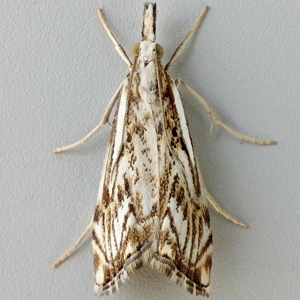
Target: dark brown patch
[
  {"x": 127, "y": 186},
  {"x": 174, "y": 186},
  {"x": 120, "y": 194},
  {"x": 97, "y": 214},
  {"x": 201, "y": 289},
  {"x": 139, "y": 264},
  {"x": 206, "y": 216},
  {"x": 205, "y": 247},
  {"x": 105, "y": 197},
  {"x": 208, "y": 263},
  {"x": 154, "y": 210},
  {"x": 181, "y": 266},
  {"x": 174, "y": 132},
  {"x": 133, "y": 159},
  {"x": 179, "y": 197},
  {"x": 96, "y": 262},
  {"x": 179, "y": 274},
  {"x": 190, "y": 288},
  {"x": 168, "y": 271},
  {"x": 183, "y": 147},
  {"x": 160, "y": 128},
  {"x": 185, "y": 212},
  {"x": 129, "y": 137}
]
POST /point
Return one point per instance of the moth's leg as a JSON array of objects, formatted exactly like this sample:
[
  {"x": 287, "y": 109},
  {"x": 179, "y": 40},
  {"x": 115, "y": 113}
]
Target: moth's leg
[
  {"x": 119, "y": 48},
  {"x": 216, "y": 120},
  {"x": 103, "y": 121},
  {"x": 187, "y": 38},
  {"x": 222, "y": 211},
  {"x": 74, "y": 247}
]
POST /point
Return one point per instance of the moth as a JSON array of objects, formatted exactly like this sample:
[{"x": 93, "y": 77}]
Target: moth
[{"x": 152, "y": 201}]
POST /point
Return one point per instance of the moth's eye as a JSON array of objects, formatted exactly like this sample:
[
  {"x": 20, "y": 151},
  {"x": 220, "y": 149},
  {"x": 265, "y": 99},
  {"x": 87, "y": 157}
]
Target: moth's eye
[
  {"x": 135, "y": 49},
  {"x": 159, "y": 51}
]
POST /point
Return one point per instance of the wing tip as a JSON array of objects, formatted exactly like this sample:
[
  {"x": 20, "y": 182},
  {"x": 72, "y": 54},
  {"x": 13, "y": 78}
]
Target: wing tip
[
  {"x": 168, "y": 268},
  {"x": 132, "y": 264}
]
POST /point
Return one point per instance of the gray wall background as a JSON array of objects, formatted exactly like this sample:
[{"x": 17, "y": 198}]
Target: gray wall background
[{"x": 58, "y": 72}]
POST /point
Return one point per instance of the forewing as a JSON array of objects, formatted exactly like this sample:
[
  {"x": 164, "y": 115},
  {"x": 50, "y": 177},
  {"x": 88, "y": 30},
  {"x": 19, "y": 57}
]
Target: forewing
[
  {"x": 185, "y": 243},
  {"x": 128, "y": 196}
]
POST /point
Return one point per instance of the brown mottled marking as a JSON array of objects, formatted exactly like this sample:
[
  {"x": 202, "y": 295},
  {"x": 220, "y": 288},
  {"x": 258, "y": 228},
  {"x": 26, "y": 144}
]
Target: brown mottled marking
[
  {"x": 151, "y": 204},
  {"x": 151, "y": 209}
]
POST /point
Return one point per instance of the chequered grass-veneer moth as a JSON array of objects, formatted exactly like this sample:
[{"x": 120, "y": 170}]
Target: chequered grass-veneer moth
[{"x": 152, "y": 201}]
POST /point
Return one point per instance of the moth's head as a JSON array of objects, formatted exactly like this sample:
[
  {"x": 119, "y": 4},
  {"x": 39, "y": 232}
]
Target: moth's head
[{"x": 148, "y": 45}]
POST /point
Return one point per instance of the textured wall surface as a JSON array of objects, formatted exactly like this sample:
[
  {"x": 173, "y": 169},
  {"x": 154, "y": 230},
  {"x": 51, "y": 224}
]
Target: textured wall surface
[{"x": 58, "y": 72}]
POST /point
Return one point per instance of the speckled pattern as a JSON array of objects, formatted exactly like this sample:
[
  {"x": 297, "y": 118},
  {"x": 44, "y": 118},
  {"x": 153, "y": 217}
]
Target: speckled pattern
[{"x": 151, "y": 208}]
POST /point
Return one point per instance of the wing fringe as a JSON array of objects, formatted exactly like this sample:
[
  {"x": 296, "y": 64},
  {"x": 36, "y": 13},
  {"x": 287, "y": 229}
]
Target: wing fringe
[{"x": 147, "y": 255}]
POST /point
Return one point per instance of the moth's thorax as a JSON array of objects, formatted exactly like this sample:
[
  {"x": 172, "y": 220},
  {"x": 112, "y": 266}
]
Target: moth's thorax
[{"x": 146, "y": 69}]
